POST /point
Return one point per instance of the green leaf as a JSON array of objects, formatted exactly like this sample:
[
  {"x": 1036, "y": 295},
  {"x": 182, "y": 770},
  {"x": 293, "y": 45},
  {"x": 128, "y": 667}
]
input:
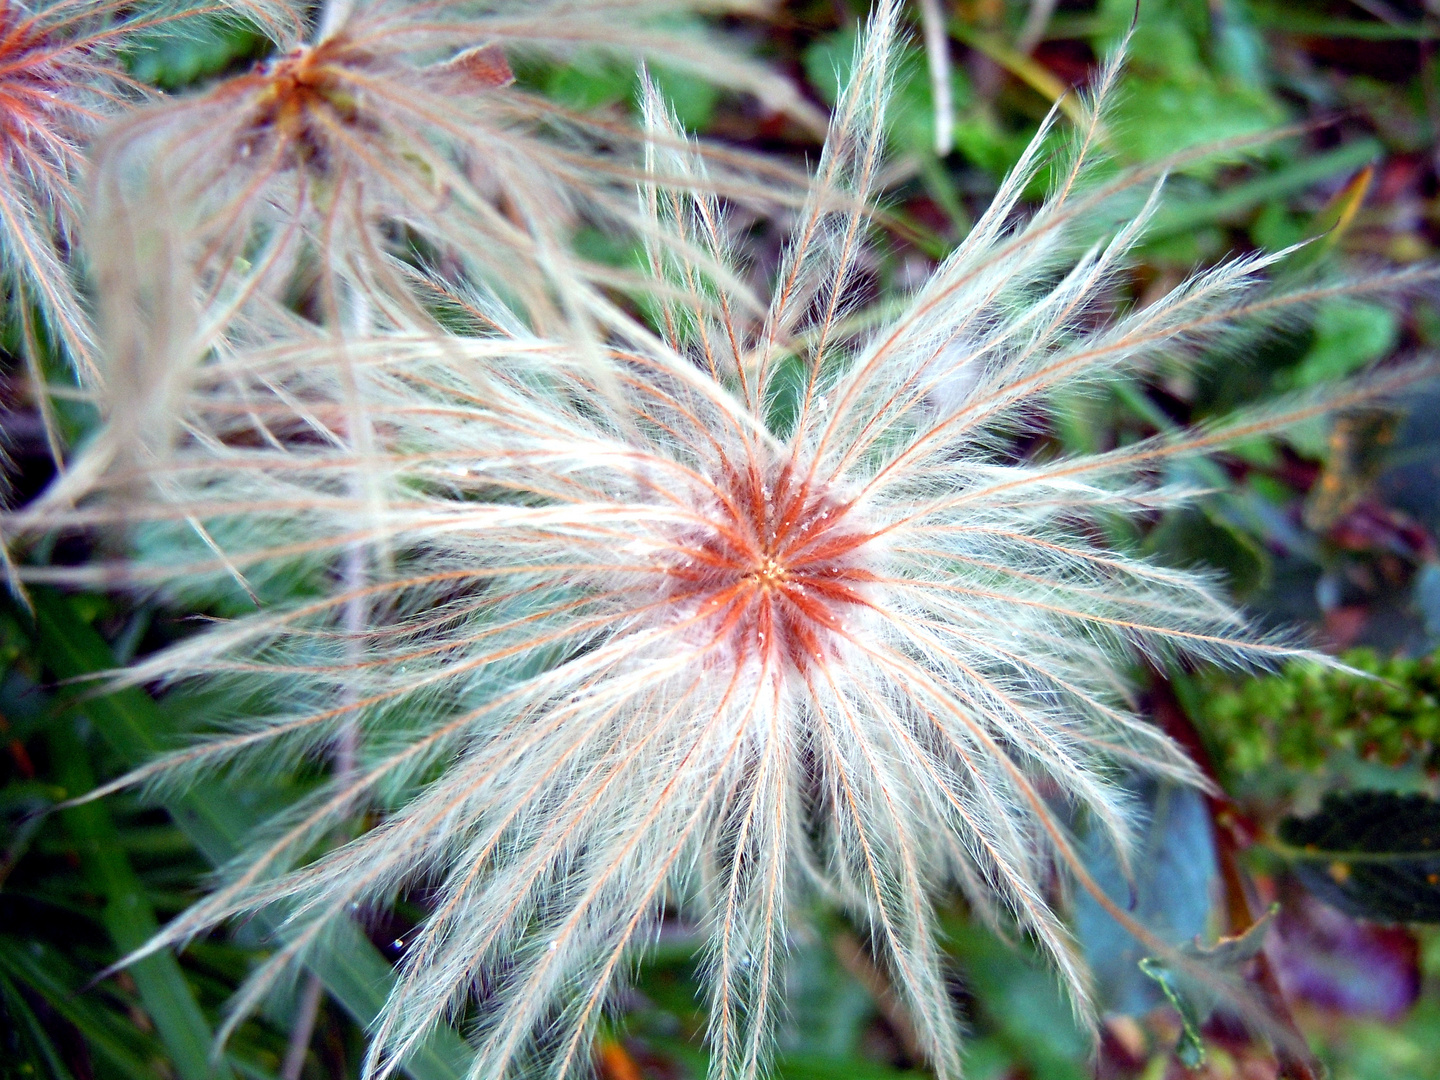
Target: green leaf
[
  {"x": 691, "y": 97},
  {"x": 1237, "y": 44},
  {"x": 1231, "y": 205},
  {"x": 1198, "y": 536},
  {"x": 31, "y": 964},
  {"x": 1372, "y": 854},
  {"x": 351, "y": 968},
  {"x": 590, "y": 83},
  {"x": 129, "y": 917},
  {"x": 1171, "y": 99},
  {"x": 1349, "y": 334},
  {"x": 1173, "y": 874},
  {"x": 26, "y": 1035},
  {"x": 1022, "y": 1000},
  {"x": 172, "y": 57},
  {"x": 1232, "y": 952},
  {"x": 1287, "y": 18},
  {"x": 829, "y": 1008},
  {"x": 1159, "y": 116},
  {"x": 910, "y": 114},
  {"x": 1226, "y": 954},
  {"x": 1194, "y": 1002}
]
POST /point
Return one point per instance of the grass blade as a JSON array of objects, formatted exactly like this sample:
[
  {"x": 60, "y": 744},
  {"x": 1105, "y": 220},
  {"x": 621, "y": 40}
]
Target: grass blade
[{"x": 352, "y": 969}]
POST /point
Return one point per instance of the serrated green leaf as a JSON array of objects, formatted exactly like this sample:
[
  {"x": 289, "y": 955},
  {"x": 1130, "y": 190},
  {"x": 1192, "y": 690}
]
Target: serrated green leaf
[
  {"x": 1191, "y": 1048},
  {"x": 1238, "y": 949},
  {"x": 1193, "y": 1002}
]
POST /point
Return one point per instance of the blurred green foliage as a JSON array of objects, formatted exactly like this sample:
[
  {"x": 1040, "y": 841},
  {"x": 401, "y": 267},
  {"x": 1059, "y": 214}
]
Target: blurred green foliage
[{"x": 174, "y": 55}]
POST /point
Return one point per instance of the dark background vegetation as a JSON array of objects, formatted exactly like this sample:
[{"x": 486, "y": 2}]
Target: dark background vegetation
[{"x": 1328, "y": 778}]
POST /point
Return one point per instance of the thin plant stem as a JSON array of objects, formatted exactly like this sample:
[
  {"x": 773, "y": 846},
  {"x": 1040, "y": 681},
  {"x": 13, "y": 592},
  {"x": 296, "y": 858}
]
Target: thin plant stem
[{"x": 300, "y": 1034}]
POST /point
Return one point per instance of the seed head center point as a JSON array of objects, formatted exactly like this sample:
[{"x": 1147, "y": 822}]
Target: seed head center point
[{"x": 770, "y": 573}]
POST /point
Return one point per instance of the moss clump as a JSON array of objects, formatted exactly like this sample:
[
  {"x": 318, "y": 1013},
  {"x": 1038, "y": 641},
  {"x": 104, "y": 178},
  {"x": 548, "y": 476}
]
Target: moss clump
[{"x": 1305, "y": 713}]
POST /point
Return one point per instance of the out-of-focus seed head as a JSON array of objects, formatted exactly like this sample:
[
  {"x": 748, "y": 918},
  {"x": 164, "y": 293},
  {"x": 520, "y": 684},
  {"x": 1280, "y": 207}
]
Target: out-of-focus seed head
[
  {"x": 59, "y": 80},
  {"x": 362, "y": 176}
]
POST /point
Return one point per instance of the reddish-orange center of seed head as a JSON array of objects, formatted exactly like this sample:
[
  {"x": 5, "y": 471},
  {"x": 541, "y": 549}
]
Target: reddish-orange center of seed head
[
  {"x": 776, "y": 573},
  {"x": 302, "y": 99},
  {"x": 305, "y": 97}
]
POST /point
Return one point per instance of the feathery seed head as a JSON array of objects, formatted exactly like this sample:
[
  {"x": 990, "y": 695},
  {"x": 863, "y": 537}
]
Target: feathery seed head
[
  {"x": 360, "y": 178},
  {"x": 32, "y": 76},
  {"x": 59, "y": 80},
  {"x": 295, "y": 101},
  {"x": 305, "y": 109},
  {"x": 774, "y": 571}
]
